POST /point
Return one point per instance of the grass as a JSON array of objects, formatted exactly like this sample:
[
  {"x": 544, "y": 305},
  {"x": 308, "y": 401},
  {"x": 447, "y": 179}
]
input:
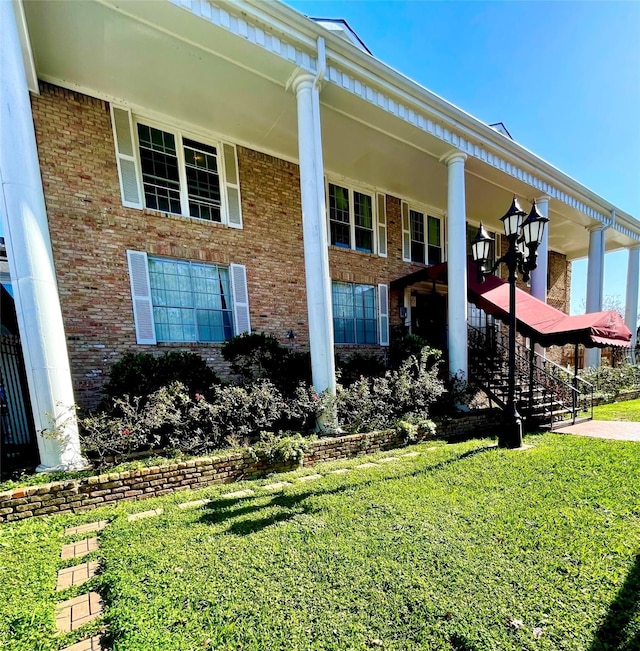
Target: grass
[
  {"x": 628, "y": 410},
  {"x": 463, "y": 548}
]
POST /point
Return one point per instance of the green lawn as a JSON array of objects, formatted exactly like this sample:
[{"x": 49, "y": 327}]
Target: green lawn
[
  {"x": 627, "y": 410},
  {"x": 463, "y": 548}
]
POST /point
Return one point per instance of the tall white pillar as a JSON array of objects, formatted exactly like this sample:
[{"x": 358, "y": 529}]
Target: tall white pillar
[
  {"x": 314, "y": 231},
  {"x": 26, "y": 232},
  {"x": 457, "y": 264},
  {"x": 631, "y": 302},
  {"x": 595, "y": 283},
  {"x": 540, "y": 273}
]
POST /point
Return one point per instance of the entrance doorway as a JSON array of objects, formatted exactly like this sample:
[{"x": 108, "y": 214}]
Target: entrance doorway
[{"x": 429, "y": 319}]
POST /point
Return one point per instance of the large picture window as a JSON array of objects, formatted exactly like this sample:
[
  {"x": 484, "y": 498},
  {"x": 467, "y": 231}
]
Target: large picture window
[
  {"x": 355, "y": 314},
  {"x": 191, "y": 301},
  {"x": 351, "y": 218}
]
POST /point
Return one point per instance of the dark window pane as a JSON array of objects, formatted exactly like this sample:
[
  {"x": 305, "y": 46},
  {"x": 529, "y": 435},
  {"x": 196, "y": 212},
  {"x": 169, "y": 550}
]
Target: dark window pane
[
  {"x": 417, "y": 251},
  {"x": 340, "y": 234},
  {"x": 159, "y": 163},
  {"x": 364, "y": 240},
  {"x": 435, "y": 255}
]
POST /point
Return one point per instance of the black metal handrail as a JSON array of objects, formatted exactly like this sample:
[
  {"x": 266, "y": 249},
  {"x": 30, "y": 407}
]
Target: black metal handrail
[{"x": 534, "y": 373}]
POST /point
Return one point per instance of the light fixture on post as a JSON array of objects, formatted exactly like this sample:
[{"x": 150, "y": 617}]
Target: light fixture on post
[{"x": 521, "y": 256}]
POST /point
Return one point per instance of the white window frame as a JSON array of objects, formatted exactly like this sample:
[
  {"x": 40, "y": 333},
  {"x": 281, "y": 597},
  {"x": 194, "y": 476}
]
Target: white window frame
[
  {"x": 427, "y": 211},
  {"x": 351, "y": 188},
  {"x": 142, "y": 302},
  {"x": 179, "y": 136}
]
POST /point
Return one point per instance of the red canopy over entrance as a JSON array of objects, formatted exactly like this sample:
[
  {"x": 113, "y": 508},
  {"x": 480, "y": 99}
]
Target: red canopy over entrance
[{"x": 545, "y": 324}]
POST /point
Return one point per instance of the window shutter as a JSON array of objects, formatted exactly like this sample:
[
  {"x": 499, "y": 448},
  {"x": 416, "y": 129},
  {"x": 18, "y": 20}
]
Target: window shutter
[
  {"x": 141, "y": 297},
  {"x": 406, "y": 233},
  {"x": 382, "y": 224},
  {"x": 232, "y": 181},
  {"x": 126, "y": 157},
  {"x": 383, "y": 314},
  {"x": 241, "y": 321}
]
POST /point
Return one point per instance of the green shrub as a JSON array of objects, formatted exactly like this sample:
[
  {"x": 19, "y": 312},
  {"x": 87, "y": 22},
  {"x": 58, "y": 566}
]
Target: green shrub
[
  {"x": 404, "y": 345},
  {"x": 378, "y": 403},
  {"x": 259, "y": 356},
  {"x": 360, "y": 365},
  {"x": 286, "y": 449},
  {"x": 612, "y": 381},
  {"x": 140, "y": 374}
]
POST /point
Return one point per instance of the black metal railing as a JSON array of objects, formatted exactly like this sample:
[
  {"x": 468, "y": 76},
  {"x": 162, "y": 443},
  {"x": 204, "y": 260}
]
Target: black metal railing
[{"x": 546, "y": 393}]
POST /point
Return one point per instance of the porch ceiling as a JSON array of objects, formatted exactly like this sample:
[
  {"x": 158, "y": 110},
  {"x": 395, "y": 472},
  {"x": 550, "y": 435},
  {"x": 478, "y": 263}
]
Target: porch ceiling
[{"x": 159, "y": 58}]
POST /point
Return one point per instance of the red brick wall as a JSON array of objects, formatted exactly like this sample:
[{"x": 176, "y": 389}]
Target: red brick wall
[{"x": 91, "y": 231}]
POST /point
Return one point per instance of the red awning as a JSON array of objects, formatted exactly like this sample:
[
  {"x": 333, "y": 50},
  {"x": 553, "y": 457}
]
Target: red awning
[{"x": 545, "y": 324}]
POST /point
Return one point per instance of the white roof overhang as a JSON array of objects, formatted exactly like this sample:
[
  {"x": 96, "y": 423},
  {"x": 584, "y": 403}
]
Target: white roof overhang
[{"x": 224, "y": 67}]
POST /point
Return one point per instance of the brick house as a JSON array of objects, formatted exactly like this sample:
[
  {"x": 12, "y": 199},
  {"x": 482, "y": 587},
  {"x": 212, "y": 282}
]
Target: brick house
[{"x": 193, "y": 169}]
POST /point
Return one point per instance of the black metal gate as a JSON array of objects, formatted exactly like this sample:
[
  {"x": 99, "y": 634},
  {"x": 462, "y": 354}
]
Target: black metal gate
[{"x": 18, "y": 446}]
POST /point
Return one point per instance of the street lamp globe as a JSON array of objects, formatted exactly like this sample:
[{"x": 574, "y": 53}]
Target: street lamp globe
[{"x": 512, "y": 219}]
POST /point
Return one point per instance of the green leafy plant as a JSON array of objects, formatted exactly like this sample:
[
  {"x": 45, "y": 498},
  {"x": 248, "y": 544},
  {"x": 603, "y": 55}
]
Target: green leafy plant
[
  {"x": 359, "y": 365},
  {"x": 140, "y": 374},
  {"x": 286, "y": 449},
  {"x": 257, "y": 355},
  {"x": 612, "y": 381}
]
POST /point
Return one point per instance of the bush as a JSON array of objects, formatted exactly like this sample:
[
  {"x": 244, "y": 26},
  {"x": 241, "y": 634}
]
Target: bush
[
  {"x": 612, "y": 381},
  {"x": 404, "y": 345},
  {"x": 141, "y": 374},
  {"x": 173, "y": 418},
  {"x": 360, "y": 365},
  {"x": 378, "y": 403},
  {"x": 259, "y": 356}
]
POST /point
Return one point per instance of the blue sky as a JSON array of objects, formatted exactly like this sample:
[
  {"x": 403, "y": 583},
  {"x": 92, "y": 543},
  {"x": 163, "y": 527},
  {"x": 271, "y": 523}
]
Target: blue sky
[{"x": 564, "y": 77}]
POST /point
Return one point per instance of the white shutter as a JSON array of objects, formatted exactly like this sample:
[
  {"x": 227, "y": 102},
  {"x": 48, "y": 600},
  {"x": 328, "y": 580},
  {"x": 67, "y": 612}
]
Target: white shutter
[
  {"x": 126, "y": 157},
  {"x": 383, "y": 314},
  {"x": 382, "y": 224},
  {"x": 240, "y": 293},
  {"x": 406, "y": 233},
  {"x": 141, "y": 297},
  {"x": 234, "y": 210}
]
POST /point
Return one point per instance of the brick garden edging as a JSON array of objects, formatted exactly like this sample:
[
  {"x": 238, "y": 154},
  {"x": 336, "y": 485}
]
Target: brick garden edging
[{"x": 90, "y": 492}]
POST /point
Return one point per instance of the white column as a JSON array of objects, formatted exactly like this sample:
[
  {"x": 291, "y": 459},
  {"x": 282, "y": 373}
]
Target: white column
[
  {"x": 314, "y": 231},
  {"x": 457, "y": 264},
  {"x": 540, "y": 273},
  {"x": 595, "y": 280},
  {"x": 631, "y": 302},
  {"x": 26, "y": 232}
]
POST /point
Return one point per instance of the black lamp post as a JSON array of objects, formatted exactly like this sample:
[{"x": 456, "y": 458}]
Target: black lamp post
[{"x": 521, "y": 256}]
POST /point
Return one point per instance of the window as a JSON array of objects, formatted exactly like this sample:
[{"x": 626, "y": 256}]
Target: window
[
  {"x": 164, "y": 170},
  {"x": 161, "y": 176},
  {"x": 183, "y": 301},
  {"x": 422, "y": 239},
  {"x": 351, "y": 220},
  {"x": 191, "y": 301},
  {"x": 355, "y": 316}
]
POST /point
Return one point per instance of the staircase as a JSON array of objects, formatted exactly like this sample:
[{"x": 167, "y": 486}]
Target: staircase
[{"x": 547, "y": 396}]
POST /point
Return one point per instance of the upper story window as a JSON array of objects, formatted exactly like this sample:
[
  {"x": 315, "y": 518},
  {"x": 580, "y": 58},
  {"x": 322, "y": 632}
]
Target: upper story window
[
  {"x": 421, "y": 236},
  {"x": 165, "y": 170},
  {"x": 352, "y": 220}
]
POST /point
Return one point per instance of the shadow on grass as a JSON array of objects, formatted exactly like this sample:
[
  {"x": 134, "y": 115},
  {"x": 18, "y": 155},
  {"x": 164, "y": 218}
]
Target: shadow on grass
[
  {"x": 613, "y": 633},
  {"x": 223, "y": 510}
]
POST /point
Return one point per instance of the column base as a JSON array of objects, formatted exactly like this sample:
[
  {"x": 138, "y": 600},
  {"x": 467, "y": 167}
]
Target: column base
[{"x": 81, "y": 464}]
